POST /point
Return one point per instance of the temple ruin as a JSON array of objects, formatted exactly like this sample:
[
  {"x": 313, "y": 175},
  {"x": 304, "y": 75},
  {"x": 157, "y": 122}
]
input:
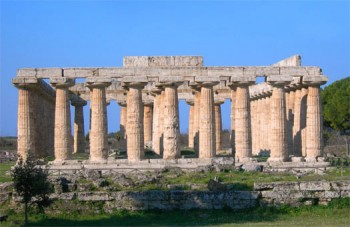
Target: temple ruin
[{"x": 281, "y": 115}]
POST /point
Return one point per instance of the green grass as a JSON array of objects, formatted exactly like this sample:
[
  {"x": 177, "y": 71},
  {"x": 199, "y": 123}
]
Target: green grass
[
  {"x": 4, "y": 167},
  {"x": 335, "y": 214}
]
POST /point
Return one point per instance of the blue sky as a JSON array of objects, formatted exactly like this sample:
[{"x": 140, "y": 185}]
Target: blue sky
[{"x": 231, "y": 33}]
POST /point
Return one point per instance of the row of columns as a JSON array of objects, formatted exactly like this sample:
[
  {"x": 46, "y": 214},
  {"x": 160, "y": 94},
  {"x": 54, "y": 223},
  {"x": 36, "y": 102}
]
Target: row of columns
[{"x": 160, "y": 125}]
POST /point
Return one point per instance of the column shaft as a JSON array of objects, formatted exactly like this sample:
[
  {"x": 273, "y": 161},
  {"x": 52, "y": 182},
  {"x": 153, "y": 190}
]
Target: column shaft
[
  {"x": 218, "y": 125},
  {"x": 233, "y": 116},
  {"x": 207, "y": 144},
  {"x": 63, "y": 135},
  {"x": 79, "y": 133},
  {"x": 296, "y": 124},
  {"x": 135, "y": 138},
  {"x": 314, "y": 124},
  {"x": 303, "y": 113},
  {"x": 243, "y": 139},
  {"x": 196, "y": 121},
  {"x": 156, "y": 121},
  {"x": 99, "y": 131},
  {"x": 191, "y": 127},
  {"x": 147, "y": 119},
  {"x": 122, "y": 130},
  {"x": 278, "y": 126}
]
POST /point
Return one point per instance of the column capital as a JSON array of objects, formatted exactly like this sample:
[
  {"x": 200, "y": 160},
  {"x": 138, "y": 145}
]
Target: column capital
[
  {"x": 62, "y": 82},
  {"x": 136, "y": 85},
  {"x": 169, "y": 84},
  {"x": 148, "y": 103},
  {"x": 278, "y": 84},
  {"x": 194, "y": 86},
  {"x": 24, "y": 83},
  {"x": 235, "y": 84},
  {"x": 314, "y": 80},
  {"x": 156, "y": 91},
  {"x": 97, "y": 84},
  {"x": 208, "y": 84},
  {"x": 219, "y": 101},
  {"x": 122, "y": 103},
  {"x": 190, "y": 102},
  {"x": 77, "y": 101}
]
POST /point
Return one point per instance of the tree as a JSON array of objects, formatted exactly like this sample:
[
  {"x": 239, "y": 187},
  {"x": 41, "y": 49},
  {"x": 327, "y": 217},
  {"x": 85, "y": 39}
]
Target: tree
[
  {"x": 31, "y": 184},
  {"x": 336, "y": 108}
]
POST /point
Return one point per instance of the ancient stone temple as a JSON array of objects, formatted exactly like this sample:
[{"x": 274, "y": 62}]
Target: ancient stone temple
[{"x": 281, "y": 115}]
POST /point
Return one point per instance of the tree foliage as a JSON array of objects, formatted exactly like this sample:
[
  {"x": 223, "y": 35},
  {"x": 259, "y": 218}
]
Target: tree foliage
[
  {"x": 336, "y": 105},
  {"x": 31, "y": 184}
]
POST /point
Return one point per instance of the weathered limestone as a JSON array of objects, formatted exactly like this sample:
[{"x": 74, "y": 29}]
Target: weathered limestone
[
  {"x": 156, "y": 121},
  {"x": 297, "y": 124},
  {"x": 207, "y": 144},
  {"x": 135, "y": 138},
  {"x": 123, "y": 127},
  {"x": 313, "y": 124},
  {"x": 25, "y": 126},
  {"x": 147, "y": 119},
  {"x": 79, "y": 133},
  {"x": 233, "y": 116},
  {"x": 243, "y": 138},
  {"x": 63, "y": 145},
  {"x": 290, "y": 120},
  {"x": 278, "y": 145},
  {"x": 218, "y": 123},
  {"x": 99, "y": 131},
  {"x": 171, "y": 138},
  {"x": 303, "y": 113},
  {"x": 191, "y": 119}
]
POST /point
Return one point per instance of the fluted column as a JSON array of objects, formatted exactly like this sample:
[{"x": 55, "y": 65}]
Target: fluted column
[
  {"x": 191, "y": 133},
  {"x": 314, "y": 124},
  {"x": 171, "y": 138},
  {"x": 296, "y": 124},
  {"x": 135, "y": 138},
  {"x": 303, "y": 115},
  {"x": 63, "y": 144},
  {"x": 290, "y": 120},
  {"x": 122, "y": 129},
  {"x": 254, "y": 125},
  {"x": 99, "y": 131},
  {"x": 25, "y": 123},
  {"x": 233, "y": 116},
  {"x": 197, "y": 113},
  {"x": 278, "y": 142},
  {"x": 218, "y": 124},
  {"x": 156, "y": 120},
  {"x": 147, "y": 120},
  {"x": 243, "y": 138},
  {"x": 207, "y": 144},
  {"x": 79, "y": 132}
]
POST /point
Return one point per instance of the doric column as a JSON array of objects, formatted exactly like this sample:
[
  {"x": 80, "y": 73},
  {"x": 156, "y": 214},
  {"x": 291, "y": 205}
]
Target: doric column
[
  {"x": 156, "y": 120},
  {"x": 290, "y": 120},
  {"x": 243, "y": 138},
  {"x": 99, "y": 131},
  {"x": 296, "y": 124},
  {"x": 171, "y": 139},
  {"x": 218, "y": 123},
  {"x": 191, "y": 133},
  {"x": 25, "y": 123},
  {"x": 278, "y": 141},
  {"x": 147, "y": 120},
  {"x": 313, "y": 124},
  {"x": 303, "y": 113},
  {"x": 265, "y": 123},
  {"x": 79, "y": 132},
  {"x": 207, "y": 144},
  {"x": 135, "y": 138},
  {"x": 122, "y": 128},
  {"x": 254, "y": 125},
  {"x": 232, "y": 116},
  {"x": 63, "y": 137},
  {"x": 197, "y": 113}
]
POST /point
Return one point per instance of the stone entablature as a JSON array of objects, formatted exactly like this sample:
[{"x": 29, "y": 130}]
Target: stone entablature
[{"x": 146, "y": 83}]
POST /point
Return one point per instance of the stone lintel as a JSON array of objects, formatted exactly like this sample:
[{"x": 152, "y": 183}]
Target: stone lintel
[
  {"x": 139, "y": 85},
  {"x": 77, "y": 101},
  {"x": 171, "y": 79},
  {"x": 207, "y": 83},
  {"x": 135, "y": 79},
  {"x": 244, "y": 79},
  {"x": 314, "y": 80},
  {"x": 40, "y": 72},
  {"x": 80, "y": 72},
  {"x": 156, "y": 61},
  {"x": 202, "y": 79}
]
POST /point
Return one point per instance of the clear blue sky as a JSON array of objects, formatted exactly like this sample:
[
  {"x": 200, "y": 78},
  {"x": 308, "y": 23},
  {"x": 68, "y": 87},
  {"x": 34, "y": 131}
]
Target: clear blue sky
[{"x": 100, "y": 33}]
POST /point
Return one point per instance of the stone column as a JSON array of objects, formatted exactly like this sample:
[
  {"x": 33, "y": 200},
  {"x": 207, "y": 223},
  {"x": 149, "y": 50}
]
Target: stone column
[
  {"x": 156, "y": 120},
  {"x": 207, "y": 143},
  {"x": 290, "y": 120},
  {"x": 135, "y": 138},
  {"x": 218, "y": 124},
  {"x": 243, "y": 137},
  {"x": 99, "y": 131},
  {"x": 171, "y": 139},
  {"x": 303, "y": 113},
  {"x": 122, "y": 129},
  {"x": 254, "y": 125},
  {"x": 296, "y": 124},
  {"x": 278, "y": 142},
  {"x": 63, "y": 144},
  {"x": 147, "y": 120},
  {"x": 191, "y": 133},
  {"x": 79, "y": 132},
  {"x": 25, "y": 123},
  {"x": 314, "y": 124},
  {"x": 233, "y": 116},
  {"x": 197, "y": 112}
]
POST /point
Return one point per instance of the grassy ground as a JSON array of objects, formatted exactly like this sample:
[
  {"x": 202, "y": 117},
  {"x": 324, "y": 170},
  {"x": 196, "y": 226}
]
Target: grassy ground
[
  {"x": 335, "y": 214},
  {"x": 4, "y": 167}
]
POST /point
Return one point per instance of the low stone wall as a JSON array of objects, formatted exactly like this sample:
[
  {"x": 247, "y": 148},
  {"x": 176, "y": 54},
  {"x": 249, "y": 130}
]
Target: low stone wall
[
  {"x": 264, "y": 194},
  {"x": 299, "y": 193}
]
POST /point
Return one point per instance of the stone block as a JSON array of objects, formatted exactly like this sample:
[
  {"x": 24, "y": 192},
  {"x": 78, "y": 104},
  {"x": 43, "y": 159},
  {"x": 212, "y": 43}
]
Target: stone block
[
  {"x": 315, "y": 186},
  {"x": 79, "y": 72},
  {"x": 26, "y": 72},
  {"x": 331, "y": 194},
  {"x": 340, "y": 185}
]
